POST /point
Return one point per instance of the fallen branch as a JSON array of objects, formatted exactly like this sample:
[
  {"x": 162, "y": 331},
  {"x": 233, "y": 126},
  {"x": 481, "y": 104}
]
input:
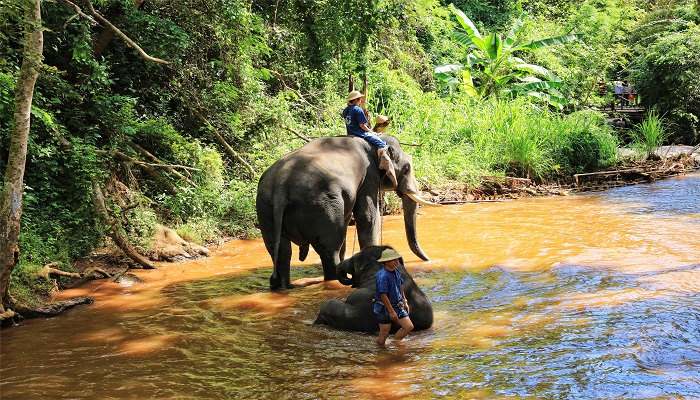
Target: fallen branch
[
  {"x": 169, "y": 168},
  {"x": 223, "y": 141},
  {"x": 113, "y": 231},
  {"x": 51, "y": 309},
  {"x": 49, "y": 270},
  {"x": 146, "y": 167},
  {"x": 611, "y": 172},
  {"x": 297, "y": 134},
  {"x": 116, "y": 30}
]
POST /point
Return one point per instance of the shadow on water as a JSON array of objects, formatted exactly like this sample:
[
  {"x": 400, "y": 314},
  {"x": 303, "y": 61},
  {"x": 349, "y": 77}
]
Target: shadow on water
[{"x": 585, "y": 297}]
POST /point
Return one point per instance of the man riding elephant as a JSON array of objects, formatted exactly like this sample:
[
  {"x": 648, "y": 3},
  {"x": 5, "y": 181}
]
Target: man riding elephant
[{"x": 309, "y": 196}]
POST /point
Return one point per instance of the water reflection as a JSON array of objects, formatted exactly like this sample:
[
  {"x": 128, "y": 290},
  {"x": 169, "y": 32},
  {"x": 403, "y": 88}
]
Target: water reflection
[
  {"x": 591, "y": 296},
  {"x": 665, "y": 198}
]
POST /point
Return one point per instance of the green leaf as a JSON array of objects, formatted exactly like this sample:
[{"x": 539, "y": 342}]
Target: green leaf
[
  {"x": 515, "y": 30},
  {"x": 468, "y": 85},
  {"x": 494, "y": 46},
  {"x": 467, "y": 40},
  {"x": 469, "y": 27},
  {"x": 537, "y": 86},
  {"x": 538, "y": 70},
  {"x": 549, "y": 42},
  {"x": 441, "y": 69},
  {"x": 558, "y": 102}
]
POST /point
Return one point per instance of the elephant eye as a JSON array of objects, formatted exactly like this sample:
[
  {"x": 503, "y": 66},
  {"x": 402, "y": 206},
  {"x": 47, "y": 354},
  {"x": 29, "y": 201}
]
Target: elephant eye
[{"x": 406, "y": 168}]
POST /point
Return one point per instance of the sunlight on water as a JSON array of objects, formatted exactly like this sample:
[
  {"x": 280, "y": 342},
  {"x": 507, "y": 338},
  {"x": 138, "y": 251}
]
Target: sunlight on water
[{"x": 587, "y": 296}]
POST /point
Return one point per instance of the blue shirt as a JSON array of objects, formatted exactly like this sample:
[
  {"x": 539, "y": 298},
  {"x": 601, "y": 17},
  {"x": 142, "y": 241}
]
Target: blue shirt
[
  {"x": 354, "y": 117},
  {"x": 389, "y": 283}
]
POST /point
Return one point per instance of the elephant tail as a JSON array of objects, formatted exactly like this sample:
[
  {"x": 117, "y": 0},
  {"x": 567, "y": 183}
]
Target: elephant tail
[{"x": 279, "y": 203}]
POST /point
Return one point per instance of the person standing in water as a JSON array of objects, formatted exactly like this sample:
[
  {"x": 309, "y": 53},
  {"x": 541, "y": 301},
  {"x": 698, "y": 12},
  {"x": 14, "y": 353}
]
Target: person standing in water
[
  {"x": 390, "y": 302},
  {"x": 356, "y": 124}
]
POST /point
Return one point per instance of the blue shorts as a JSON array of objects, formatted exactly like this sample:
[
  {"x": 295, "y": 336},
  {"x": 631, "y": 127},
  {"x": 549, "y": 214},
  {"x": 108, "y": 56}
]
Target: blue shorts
[{"x": 383, "y": 316}]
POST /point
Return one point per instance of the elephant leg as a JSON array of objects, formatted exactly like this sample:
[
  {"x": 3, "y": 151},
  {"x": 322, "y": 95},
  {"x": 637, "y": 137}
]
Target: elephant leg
[
  {"x": 368, "y": 223},
  {"x": 280, "y": 278},
  {"x": 329, "y": 263},
  {"x": 356, "y": 314},
  {"x": 329, "y": 247},
  {"x": 342, "y": 250}
]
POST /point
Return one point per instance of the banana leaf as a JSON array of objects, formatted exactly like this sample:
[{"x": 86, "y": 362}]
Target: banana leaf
[
  {"x": 549, "y": 42},
  {"x": 469, "y": 27}
]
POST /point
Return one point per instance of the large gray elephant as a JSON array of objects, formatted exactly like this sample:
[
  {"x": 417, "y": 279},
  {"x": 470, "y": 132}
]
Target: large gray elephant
[
  {"x": 357, "y": 312},
  {"x": 308, "y": 197}
]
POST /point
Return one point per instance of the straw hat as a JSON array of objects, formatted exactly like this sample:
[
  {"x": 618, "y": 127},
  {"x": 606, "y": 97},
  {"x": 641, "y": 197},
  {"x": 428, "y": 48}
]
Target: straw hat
[
  {"x": 355, "y": 94},
  {"x": 380, "y": 119},
  {"x": 389, "y": 254}
]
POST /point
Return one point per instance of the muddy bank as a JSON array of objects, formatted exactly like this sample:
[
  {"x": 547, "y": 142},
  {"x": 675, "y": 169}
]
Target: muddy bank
[{"x": 666, "y": 162}]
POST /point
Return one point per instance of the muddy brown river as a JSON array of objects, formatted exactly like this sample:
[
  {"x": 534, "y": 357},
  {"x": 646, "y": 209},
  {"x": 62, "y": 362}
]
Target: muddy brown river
[{"x": 591, "y": 296}]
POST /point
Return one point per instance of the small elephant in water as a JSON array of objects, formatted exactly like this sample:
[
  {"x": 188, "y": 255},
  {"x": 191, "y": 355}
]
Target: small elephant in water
[{"x": 357, "y": 312}]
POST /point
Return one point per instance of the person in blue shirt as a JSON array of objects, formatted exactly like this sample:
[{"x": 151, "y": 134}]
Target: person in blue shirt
[
  {"x": 356, "y": 124},
  {"x": 390, "y": 303}
]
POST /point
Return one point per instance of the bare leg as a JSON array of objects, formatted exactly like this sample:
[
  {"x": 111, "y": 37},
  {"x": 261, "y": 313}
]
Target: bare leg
[
  {"x": 406, "y": 326},
  {"x": 383, "y": 333}
]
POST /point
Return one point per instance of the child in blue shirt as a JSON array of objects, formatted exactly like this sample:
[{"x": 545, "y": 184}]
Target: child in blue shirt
[{"x": 390, "y": 301}]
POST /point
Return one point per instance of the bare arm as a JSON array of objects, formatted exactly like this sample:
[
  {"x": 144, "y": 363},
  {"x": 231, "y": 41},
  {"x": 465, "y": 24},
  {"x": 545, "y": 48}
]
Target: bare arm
[
  {"x": 387, "y": 304},
  {"x": 405, "y": 300}
]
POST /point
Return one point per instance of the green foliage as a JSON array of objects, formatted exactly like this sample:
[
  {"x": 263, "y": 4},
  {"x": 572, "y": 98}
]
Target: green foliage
[
  {"x": 583, "y": 143},
  {"x": 650, "y": 134},
  {"x": 667, "y": 76},
  {"x": 28, "y": 287},
  {"x": 493, "y": 14},
  {"x": 492, "y": 66},
  {"x": 461, "y": 139},
  {"x": 601, "y": 55}
]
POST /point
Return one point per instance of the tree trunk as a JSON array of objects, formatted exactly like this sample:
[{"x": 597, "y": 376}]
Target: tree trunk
[{"x": 11, "y": 200}]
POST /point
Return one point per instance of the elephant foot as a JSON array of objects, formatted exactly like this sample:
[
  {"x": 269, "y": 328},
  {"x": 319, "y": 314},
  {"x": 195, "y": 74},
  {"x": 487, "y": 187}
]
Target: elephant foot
[
  {"x": 276, "y": 288},
  {"x": 329, "y": 274},
  {"x": 277, "y": 285}
]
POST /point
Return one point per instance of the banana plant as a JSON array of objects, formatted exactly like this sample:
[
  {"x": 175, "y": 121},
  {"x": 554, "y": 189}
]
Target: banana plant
[{"x": 492, "y": 68}]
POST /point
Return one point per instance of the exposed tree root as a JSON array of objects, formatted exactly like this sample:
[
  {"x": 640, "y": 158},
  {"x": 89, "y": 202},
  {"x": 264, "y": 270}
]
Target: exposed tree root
[{"x": 50, "y": 309}]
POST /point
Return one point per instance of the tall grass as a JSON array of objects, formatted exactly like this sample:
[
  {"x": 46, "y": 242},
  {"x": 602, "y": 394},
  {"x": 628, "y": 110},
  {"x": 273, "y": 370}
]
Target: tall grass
[
  {"x": 463, "y": 140},
  {"x": 649, "y": 135}
]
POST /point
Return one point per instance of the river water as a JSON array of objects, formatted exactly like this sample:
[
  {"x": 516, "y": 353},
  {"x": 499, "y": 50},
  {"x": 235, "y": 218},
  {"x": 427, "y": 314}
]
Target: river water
[{"x": 579, "y": 297}]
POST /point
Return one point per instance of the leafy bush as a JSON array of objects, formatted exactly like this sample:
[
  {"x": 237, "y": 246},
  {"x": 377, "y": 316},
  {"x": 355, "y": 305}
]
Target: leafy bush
[
  {"x": 583, "y": 142},
  {"x": 667, "y": 77}
]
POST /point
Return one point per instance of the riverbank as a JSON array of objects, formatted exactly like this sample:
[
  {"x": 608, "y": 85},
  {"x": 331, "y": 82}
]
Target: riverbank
[{"x": 666, "y": 162}]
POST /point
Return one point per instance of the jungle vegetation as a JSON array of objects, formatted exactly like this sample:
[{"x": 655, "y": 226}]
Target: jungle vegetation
[{"x": 153, "y": 111}]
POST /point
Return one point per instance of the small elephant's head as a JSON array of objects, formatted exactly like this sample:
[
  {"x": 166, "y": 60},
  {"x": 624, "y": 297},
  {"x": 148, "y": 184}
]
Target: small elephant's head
[{"x": 361, "y": 266}]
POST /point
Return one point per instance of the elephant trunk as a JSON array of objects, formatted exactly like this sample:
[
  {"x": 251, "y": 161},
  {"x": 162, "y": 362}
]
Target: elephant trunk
[
  {"x": 410, "y": 211},
  {"x": 342, "y": 272}
]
